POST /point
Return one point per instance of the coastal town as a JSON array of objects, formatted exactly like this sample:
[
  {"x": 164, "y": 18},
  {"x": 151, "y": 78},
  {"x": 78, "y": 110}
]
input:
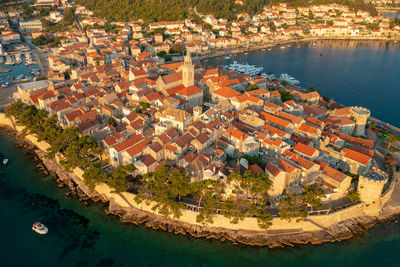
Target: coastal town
[{"x": 143, "y": 114}]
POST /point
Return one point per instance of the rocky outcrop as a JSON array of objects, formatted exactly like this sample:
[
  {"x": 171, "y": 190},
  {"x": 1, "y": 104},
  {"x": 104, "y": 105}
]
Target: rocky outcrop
[{"x": 339, "y": 232}]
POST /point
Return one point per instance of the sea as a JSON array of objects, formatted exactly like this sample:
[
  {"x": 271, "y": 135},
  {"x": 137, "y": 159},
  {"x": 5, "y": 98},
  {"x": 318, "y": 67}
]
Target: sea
[{"x": 352, "y": 73}]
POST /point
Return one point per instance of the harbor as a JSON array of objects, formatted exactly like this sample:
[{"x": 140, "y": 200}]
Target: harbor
[
  {"x": 253, "y": 70},
  {"x": 17, "y": 67},
  {"x": 17, "y": 64}
]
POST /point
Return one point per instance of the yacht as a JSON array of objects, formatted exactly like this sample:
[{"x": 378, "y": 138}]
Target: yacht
[
  {"x": 247, "y": 69},
  {"x": 40, "y": 228},
  {"x": 289, "y": 79},
  {"x": 18, "y": 58}
]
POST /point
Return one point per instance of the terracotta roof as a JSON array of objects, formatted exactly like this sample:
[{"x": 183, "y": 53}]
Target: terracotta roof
[
  {"x": 72, "y": 115},
  {"x": 87, "y": 124},
  {"x": 356, "y": 156},
  {"x": 172, "y": 91},
  {"x": 290, "y": 117},
  {"x": 148, "y": 160},
  {"x": 304, "y": 149},
  {"x": 139, "y": 147},
  {"x": 272, "y": 169},
  {"x": 335, "y": 174},
  {"x": 255, "y": 169},
  {"x": 128, "y": 143},
  {"x": 272, "y": 130},
  {"x": 308, "y": 129},
  {"x": 171, "y": 78},
  {"x": 357, "y": 140},
  {"x": 274, "y": 119},
  {"x": 226, "y": 92},
  {"x": 285, "y": 166},
  {"x": 189, "y": 91}
]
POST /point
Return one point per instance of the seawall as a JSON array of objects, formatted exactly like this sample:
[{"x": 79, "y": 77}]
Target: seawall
[{"x": 317, "y": 229}]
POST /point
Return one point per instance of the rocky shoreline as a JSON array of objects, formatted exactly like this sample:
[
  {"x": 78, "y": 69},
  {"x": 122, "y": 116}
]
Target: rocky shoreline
[{"x": 269, "y": 238}]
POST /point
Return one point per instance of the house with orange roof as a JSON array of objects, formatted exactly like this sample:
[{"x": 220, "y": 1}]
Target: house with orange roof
[
  {"x": 336, "y": 181},
  {"x": 297, "y": 121},
  {"x": 137, "y": 74},
  {"x": 245, "y": 100},
  {"x": 278, "y": 177},
  {"x": 292, "y": 172},
  {"x": 115, "y": 152},
  {"x": 341, "y": 124},
  {"x": 272, "y": 108},
  {"x": 146, "y": 164},
  {"x": 224, "y": 93},
  {"x": 307, "y": 167},
  {"x": 274, "y": 144},
  {"x": 306, "y": 151},
  {"x": 276, "y": 121},
  {"x": 355, "y": 162},
  {"x": 306, "y": 130},
  {"x": 193, "y": 96}
]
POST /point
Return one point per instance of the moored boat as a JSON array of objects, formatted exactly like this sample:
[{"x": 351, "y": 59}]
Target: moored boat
[
  {"x": 5, "y": 161},
  {"x": 40, "y": 228}
]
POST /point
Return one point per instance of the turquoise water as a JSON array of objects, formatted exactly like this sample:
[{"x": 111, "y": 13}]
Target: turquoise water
[
  {"x": 86, "y": 236},
  {"x": 351, "y": 72}
]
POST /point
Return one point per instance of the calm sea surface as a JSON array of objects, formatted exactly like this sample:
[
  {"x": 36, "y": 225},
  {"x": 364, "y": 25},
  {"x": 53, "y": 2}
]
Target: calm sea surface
[
  {"x": 86, "y": 236},
  {"x": 351, "y": 72}
]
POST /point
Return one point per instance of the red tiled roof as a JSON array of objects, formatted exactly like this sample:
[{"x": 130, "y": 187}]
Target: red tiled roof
[
  {"x": 304, "y": 149},
  {"x": 226, "y": 92},
  {"x": 136, "y": 149},
  {"x": 356, "y": 156},
  {"x": 189, "y": 91},
  {"x": 128, "y": 143},
  {"x": 274, "y": 170}
]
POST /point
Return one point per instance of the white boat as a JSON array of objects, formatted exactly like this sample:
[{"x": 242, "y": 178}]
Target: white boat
[
  {"x": 40, "y": 228},
  {"x": 5, "y": 161},
  {"x": 289, "y": 79},
  {"x": 18, "y": 58}
]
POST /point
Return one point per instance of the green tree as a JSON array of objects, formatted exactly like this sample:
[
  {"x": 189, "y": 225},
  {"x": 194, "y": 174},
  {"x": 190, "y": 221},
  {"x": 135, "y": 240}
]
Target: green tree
[
  {"x": 285, "y": 96},
  {"x": 252, "y": 87},
  {"x": 93, "y": 176},
  {"x": 353, "y": 196},
  {"x": 112, "y": 121}
]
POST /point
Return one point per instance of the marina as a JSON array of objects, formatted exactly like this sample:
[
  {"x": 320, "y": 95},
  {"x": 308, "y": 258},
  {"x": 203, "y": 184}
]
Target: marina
[
  {"x": 253, "y": 70},
  {"x": 17, "y": 67}
]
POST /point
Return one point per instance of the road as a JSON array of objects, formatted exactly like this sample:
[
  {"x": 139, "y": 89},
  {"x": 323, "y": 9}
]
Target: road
[{"x": 41, "y": 58}]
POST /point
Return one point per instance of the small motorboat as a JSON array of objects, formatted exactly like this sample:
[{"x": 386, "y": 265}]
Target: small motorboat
[
  {"x": 40, "y": 228},
  {"x": 5, "y": 161}
]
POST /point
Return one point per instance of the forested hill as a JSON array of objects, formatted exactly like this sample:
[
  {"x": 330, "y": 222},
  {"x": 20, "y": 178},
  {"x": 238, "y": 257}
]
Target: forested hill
[{"x": 159, "y": 10}]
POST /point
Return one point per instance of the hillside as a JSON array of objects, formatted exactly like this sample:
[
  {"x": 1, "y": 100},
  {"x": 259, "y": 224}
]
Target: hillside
[{"x": 156, "y": 10}]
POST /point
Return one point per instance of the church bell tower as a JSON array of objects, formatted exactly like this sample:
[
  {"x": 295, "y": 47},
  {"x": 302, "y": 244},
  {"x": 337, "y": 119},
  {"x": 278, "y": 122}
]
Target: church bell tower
[{"x": 188, "y": 71}]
